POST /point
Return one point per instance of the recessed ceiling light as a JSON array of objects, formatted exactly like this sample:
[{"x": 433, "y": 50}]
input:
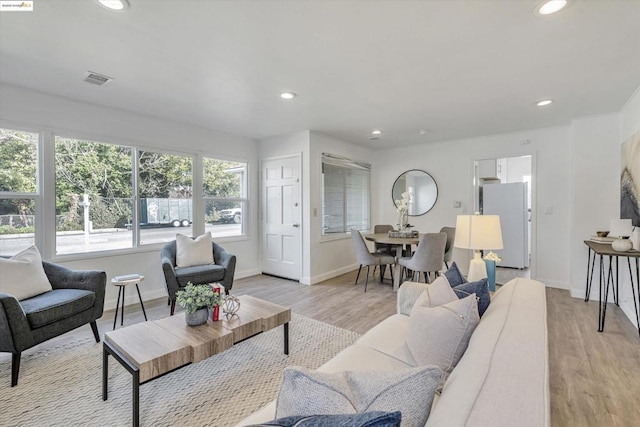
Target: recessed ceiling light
[
  {"x": 114, "y": 4},
  {"x": 550, "y": 6},
  {"x": 287, "y": 95},
  {"x": 424, "y": 131},
  {"x": 376, "y": 132},
  {"x": 544, "y": 102}
]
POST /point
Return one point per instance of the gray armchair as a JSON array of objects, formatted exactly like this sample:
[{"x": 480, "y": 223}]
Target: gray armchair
[
  {"x": 77, "y": 298},
  {"x": 221, "y": 271}
]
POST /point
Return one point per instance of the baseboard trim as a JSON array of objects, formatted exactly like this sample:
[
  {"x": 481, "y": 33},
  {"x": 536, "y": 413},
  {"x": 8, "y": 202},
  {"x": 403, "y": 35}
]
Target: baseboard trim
[
  {"x": 330, "y": 274},
  {"x": 554, "y": 284}
]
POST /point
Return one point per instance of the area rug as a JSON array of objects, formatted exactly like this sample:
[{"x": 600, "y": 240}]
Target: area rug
[{"x": 62, "y": 386}]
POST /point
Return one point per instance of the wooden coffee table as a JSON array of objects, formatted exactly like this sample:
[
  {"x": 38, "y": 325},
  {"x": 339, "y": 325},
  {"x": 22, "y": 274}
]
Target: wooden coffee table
[{"x": 152, "y": 349}]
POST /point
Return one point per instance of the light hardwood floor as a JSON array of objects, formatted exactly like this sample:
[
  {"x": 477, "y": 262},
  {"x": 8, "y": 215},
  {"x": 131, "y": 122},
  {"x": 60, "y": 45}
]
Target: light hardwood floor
[{"x": 594, "y": 377}]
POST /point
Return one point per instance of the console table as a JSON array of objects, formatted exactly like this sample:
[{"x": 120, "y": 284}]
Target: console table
[{"x": 601, "y": 250}]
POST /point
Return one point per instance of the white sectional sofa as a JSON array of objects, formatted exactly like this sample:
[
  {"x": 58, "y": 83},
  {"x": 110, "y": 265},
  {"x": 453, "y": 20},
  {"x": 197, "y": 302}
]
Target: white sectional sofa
[{"x": 502, "y": 378}]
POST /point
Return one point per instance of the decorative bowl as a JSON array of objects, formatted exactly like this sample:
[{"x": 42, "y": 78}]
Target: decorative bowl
[{"x": 602, "y": 233}]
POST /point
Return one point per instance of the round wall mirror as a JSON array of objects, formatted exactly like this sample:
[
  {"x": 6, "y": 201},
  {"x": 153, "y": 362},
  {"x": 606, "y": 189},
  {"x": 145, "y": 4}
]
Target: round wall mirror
[{"x": 422, "y": 189}]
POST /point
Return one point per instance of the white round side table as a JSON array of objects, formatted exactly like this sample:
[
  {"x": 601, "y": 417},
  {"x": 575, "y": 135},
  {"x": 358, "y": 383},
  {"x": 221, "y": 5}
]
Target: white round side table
[{"x": 122, "y": 282}]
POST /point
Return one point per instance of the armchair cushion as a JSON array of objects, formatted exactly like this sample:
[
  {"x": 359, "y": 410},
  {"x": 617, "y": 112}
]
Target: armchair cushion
[
  {"x": 190, "y": 252},
  {"x": 23, "y": 275},
  {"x": 56, "y": 305},
  {"x": 199, "y": 274}
]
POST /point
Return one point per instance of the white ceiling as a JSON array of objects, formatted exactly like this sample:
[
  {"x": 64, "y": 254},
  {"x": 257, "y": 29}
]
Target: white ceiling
[{"x": 457, "y": 68}]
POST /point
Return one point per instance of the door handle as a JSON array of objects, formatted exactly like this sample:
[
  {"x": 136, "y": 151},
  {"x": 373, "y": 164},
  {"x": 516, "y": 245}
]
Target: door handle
[{"x": 296, "y": 225}]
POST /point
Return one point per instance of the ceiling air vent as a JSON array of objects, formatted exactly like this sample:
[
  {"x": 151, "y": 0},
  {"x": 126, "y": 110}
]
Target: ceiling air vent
[{"x": 96, "y": 79}]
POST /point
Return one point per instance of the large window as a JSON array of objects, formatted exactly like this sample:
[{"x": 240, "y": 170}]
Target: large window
[
  {"x": 165, "y": 188},
  {"x": 345, "y": 195},
  {"x": 225, "y": 196},
  {"x": 18, "y": 190},
  {"x": 111, "y": 197},
  {"x": 94, "y": 196}
]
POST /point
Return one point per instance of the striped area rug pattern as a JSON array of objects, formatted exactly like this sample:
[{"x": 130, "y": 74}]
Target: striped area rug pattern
[{"x": 62, "y": 386}]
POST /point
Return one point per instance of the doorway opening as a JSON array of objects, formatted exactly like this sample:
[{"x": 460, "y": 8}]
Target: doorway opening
[{"x": 505, "y": 186}]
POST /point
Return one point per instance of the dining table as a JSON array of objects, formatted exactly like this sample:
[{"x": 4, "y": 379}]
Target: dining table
[{"x": 403, "y": 243}]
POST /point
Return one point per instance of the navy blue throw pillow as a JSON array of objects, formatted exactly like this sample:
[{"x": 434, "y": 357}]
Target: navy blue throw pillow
[
  {"x": 365, "y": 419},
  {"x": 480, "y": 288},
  {"x": 454, "y": 276}
]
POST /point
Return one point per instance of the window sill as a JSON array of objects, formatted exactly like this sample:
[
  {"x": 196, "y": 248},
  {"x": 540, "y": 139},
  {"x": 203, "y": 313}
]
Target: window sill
[{"x": 154, "y": 247}]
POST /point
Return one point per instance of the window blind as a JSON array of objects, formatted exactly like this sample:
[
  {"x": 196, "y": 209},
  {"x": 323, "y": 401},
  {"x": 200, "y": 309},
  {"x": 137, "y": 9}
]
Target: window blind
[{"x": 346, "y": 194}]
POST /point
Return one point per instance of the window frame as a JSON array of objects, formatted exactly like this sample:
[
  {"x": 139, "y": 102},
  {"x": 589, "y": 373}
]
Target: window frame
[
  {"x": 243, "y": 200},
  {"x": 39, "y": 232}
]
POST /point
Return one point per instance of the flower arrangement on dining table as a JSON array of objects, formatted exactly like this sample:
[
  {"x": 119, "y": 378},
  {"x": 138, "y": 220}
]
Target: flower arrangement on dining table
[{"x": 403, "y": 209}]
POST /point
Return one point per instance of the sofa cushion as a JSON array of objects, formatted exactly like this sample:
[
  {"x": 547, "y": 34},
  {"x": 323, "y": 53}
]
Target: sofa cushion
[
  {"x": 55, "y": 305},
  {"x": 366, "y": 419},
  {"x": 410, "y": 391},
  {"x": 199, "y": 274},
  {"x": 359, "y": 357},
  {"x": 480, "y": 288},
  {"x": 454, "y": 276},
  {"x": 198, "y": 251},
  {"x": 439, "y": 335},
  {"x": 503, "y": 378},
  {"x": 23, "y": 275},
  {"x": 390, "y": 337}
]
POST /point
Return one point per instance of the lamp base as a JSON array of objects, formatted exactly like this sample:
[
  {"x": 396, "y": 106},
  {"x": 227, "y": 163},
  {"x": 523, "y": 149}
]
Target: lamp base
[{"x": 477, "y": 268}]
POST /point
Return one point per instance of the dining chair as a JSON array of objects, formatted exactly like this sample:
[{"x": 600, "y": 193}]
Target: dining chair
[
  {"x": 364, "y": 257},
  {"x": 448, "y": 249},
  {"x": 427, "y": 258},
  {"x": 383, "y": 248}
]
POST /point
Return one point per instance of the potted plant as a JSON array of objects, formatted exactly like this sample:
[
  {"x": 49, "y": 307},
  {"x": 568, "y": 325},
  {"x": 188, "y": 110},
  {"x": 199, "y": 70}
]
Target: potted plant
[{"x": 196, "y": 301}]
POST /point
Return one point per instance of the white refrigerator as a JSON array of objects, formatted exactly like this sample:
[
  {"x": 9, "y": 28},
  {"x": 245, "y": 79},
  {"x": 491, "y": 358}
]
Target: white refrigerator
[{"x": 510, "y": 201}]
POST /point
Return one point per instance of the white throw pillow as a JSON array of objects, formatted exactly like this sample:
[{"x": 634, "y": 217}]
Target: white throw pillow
[
  {"x": 190, "y": 252},
  {"x": 410, "y": 391},
  {"x": 23, "y": 275},
  {"x": 440, "y": 335},
  {"x": 437, "y": 293}
]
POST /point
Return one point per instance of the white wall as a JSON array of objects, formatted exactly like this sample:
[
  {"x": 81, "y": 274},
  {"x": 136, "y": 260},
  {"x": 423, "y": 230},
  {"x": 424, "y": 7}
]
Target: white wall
[
  {"x": 332, "y": 257},
  {"x": 595, "y": 191},
  {"x": 596, "y": 167},
  {"x": 450, "y": 164},
  {"x": 30, "y": 110},
  {"x": 321, "y": 258}
]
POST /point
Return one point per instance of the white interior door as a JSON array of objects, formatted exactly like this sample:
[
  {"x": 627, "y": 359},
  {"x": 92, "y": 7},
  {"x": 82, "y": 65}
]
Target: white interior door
[{"x": 281, "y": 215}]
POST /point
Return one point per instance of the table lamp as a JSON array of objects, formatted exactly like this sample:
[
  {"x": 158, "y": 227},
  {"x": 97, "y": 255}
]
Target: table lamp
[{"x": 478, "y": 232}]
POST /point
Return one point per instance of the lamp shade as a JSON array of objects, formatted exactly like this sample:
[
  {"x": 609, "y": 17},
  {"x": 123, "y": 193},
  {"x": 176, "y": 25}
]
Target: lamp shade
[
  {"x": 620, "y": 228},
  {"x": 478, "y": 232}
]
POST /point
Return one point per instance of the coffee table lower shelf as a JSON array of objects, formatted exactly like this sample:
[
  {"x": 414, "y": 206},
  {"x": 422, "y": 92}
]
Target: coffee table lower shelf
[{"x": 138, "y": 349}]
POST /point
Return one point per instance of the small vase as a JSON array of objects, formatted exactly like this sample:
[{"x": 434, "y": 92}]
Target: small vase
[
  {"x": 491, "y": 274},
  {"x": 622, "y": 245},
  {"x": 198, "y": 318}
]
